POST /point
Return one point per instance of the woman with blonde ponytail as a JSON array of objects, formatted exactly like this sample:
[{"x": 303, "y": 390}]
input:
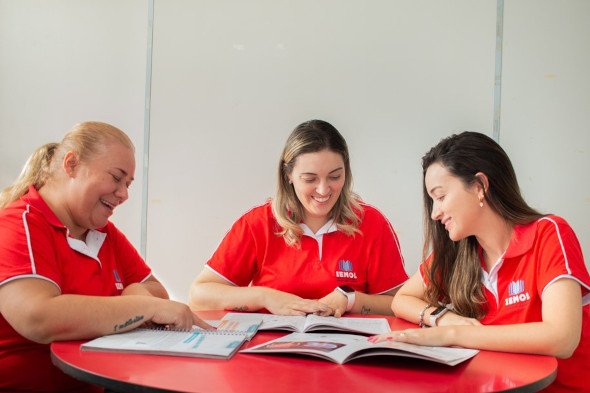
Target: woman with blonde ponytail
[
  {"x": 66, "y": 272},
  {"x": 497, "y": 275},
  {"x": 315, "y": 248}
]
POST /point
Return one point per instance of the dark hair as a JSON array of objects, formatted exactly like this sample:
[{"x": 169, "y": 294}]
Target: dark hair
[
  {"x": 454, "y": 274},
  {"x": 310, "y": 137}
]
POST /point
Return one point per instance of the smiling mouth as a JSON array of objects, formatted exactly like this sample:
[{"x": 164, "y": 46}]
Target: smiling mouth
[
  {"x": 321, "y": 199},
  {"x": 445, "y": 222},
  {"x": 108, "y": 204}
]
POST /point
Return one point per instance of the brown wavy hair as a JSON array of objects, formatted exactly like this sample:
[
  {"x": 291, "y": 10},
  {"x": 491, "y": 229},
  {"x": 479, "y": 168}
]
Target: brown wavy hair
[{"x": 454, "y": 273}]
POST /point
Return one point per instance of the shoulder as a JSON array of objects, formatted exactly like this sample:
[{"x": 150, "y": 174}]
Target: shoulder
[
  {"x": 369, "y": 214},
  {"x": 257, "y": 217},
  {"x": 552, "y": 225},
  {"x": 20, "y": 217},
  {"x": 258, "y": 212}
]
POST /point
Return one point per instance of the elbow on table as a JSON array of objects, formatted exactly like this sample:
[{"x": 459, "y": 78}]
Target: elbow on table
[
  {"x": 39, "y": 328},
  {"x": 564, "y": 347},
  {"x": 197, "y": 299}
]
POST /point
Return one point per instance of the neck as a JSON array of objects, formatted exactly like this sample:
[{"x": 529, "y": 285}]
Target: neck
[
  {"x": 52, "y": 196},
  {"x": 315, "y": 223},
  {"x": 494, "y": 239}
]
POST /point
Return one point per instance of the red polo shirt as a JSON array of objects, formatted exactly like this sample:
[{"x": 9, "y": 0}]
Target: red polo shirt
[
  {"x": 252, "y": 253},
  {"x": 34, "y": 244},
  {"x": 539, "y": 254}
]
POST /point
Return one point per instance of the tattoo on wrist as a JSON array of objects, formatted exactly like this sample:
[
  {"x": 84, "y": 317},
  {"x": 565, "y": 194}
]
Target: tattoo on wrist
[
  {"x": 365, "y": 310},
  {"x": 128, "y": 322},
  {"x": 240, "y": 308}
]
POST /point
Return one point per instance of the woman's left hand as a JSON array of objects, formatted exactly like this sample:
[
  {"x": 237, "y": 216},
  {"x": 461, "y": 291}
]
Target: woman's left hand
[
  {"x": 336, "y": 302},
  {"x": 435, "y": 337}
]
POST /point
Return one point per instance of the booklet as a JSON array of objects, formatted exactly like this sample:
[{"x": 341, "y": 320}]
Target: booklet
[
  {"x": 247, "y": 326},
  {"x": 222, "y": 343},
  {"x": 341, "y": 348},
  {"x": 311, "y": 323}
]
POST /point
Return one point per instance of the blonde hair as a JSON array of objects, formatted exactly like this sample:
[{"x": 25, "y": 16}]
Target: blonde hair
[
  {"x": 85, "y": 139},
  {"x": 310, "y": 137}
]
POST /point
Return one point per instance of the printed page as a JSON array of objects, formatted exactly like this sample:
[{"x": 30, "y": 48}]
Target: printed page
[
  {"x": 168, "y": 342},
  {"x": 341, "y": 348},
  {"x": 356, "y": 325},
  {"x": 271, "y": 321},
  {"x": 446, "y": 355},
  {"x": 235, "y": 323},
  {"x": 333, "y": 347}
]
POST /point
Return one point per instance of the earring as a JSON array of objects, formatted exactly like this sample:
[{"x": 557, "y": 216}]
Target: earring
[{"x": 480, "y": 202}]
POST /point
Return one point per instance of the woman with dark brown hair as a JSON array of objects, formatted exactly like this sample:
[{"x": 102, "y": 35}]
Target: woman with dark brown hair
[{"x": 497, "y": 275}]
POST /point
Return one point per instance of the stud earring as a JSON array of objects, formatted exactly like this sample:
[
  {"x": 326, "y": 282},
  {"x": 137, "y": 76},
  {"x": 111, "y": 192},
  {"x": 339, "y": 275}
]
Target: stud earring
[{"x": 480, "y": 202}]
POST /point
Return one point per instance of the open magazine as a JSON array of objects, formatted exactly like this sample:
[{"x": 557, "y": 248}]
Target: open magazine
[
  {"x": 222, "y": 343},
  {"x": 341, "y": 348},
  {"x": 311, "y": 323}
]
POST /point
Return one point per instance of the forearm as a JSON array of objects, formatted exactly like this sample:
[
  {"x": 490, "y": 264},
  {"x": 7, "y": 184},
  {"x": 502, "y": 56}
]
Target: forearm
[
  {"x": 71, "y": 317},
  {"x": 409, "y": 308},
  {"x": 216, "y": 296},
  {"x": 372, "y": 304},
  {"x": 536, "y": 337},
  {"x": 146, "y": 288}
]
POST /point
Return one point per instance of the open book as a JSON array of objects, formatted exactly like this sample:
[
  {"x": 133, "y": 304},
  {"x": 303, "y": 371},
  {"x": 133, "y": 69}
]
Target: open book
[
  {"x": 221, "y": 344},
  {"x": 311, "y": 323},
  {"x": 341, "y": 348}
]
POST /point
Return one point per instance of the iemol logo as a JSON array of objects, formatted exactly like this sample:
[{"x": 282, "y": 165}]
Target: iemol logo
[
  {"x": 516, "y": 292},
  {"x": 345, "y": 270}
]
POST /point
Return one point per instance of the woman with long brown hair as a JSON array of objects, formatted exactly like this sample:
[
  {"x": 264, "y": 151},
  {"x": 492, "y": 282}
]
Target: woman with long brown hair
[{"x": 497, "y": 275}]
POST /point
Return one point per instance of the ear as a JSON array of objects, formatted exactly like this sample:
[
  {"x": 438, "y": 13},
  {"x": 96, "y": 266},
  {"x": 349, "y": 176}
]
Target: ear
[
  {"x": 70, "y": 163},
  {"x": 482, "y": 184}
]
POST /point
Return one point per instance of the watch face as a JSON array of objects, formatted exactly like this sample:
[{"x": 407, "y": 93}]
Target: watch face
[
  {"x": 438, "y": 311},
  {"x": 346, "y": 288}
]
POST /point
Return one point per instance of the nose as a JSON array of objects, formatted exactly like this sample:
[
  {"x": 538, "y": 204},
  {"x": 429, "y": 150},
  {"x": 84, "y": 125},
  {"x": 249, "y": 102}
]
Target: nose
[
  {"x": 122, "y": 193},
  {"x": 323, "y": 188},
  {"x": 436, "y": 213}
]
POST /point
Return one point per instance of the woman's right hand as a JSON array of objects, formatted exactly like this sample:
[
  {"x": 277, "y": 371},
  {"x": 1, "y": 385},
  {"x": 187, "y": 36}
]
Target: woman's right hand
[
  {"x": 176, "y": 315},
  {"x": 283, "y": 303}
]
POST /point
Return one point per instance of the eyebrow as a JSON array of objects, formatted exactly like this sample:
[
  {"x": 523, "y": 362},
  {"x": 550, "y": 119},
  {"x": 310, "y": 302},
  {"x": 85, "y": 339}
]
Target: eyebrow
[
  {"x": 433, "y": 188},
  {"x": 315, "y": 174}
]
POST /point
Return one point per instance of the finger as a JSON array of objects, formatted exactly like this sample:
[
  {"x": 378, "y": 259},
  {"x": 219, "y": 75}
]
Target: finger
[
  {"x": 378, "y": 338},
  {"x": 312, "y": 307},
  {"x": 200, "y": 323}
]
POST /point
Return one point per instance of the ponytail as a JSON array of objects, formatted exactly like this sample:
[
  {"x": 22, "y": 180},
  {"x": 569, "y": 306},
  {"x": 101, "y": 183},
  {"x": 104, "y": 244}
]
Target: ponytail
[{"x": 34, "y": 173}]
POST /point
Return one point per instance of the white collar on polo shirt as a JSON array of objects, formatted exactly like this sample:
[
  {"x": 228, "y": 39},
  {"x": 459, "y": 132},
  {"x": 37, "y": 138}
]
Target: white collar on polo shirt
[
  {"x": 328, "y": 227},
  {"x": 92, "y": 245}
]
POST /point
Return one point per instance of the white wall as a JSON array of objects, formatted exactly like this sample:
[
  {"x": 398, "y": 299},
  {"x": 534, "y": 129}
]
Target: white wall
[
  {"x": 63, "y": 62},
  {"x": 546, "y": 106},
  {"x": 232, "y": 79}
]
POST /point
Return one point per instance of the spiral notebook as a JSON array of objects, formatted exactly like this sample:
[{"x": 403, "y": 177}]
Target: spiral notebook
[{"x": 218, "y": 344}]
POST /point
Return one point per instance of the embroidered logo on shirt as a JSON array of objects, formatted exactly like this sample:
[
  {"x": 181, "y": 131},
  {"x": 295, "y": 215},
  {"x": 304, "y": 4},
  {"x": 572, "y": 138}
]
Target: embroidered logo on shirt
[
  {"x": 118, "y": 282},
  {"x": 345, "y": 270},
  {"x": 516, "y": 293}
]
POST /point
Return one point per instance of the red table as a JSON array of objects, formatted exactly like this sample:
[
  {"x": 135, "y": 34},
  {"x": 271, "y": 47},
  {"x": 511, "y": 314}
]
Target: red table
[{"x": 486, "y": 372}]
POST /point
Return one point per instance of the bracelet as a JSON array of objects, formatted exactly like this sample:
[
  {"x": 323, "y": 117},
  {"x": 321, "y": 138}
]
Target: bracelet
[{"x": 422, "y": 324}]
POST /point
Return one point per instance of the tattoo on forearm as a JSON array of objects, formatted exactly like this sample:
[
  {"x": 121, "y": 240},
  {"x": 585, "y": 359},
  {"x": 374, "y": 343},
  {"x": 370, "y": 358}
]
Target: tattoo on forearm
[
  {"x": 128, "y": 322},
  {"x": 241, "y": 308},
  {"x": 365, "y": 310}
]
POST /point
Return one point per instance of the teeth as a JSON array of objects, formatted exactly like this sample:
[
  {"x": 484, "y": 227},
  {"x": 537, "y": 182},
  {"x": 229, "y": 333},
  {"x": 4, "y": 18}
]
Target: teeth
[
  {"x": 108, "y": 204},
  {"x": 324, "y": 199}
]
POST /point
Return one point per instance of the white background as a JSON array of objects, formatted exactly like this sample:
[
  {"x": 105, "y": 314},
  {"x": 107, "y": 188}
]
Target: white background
[{"x": 231, "y": 79}]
